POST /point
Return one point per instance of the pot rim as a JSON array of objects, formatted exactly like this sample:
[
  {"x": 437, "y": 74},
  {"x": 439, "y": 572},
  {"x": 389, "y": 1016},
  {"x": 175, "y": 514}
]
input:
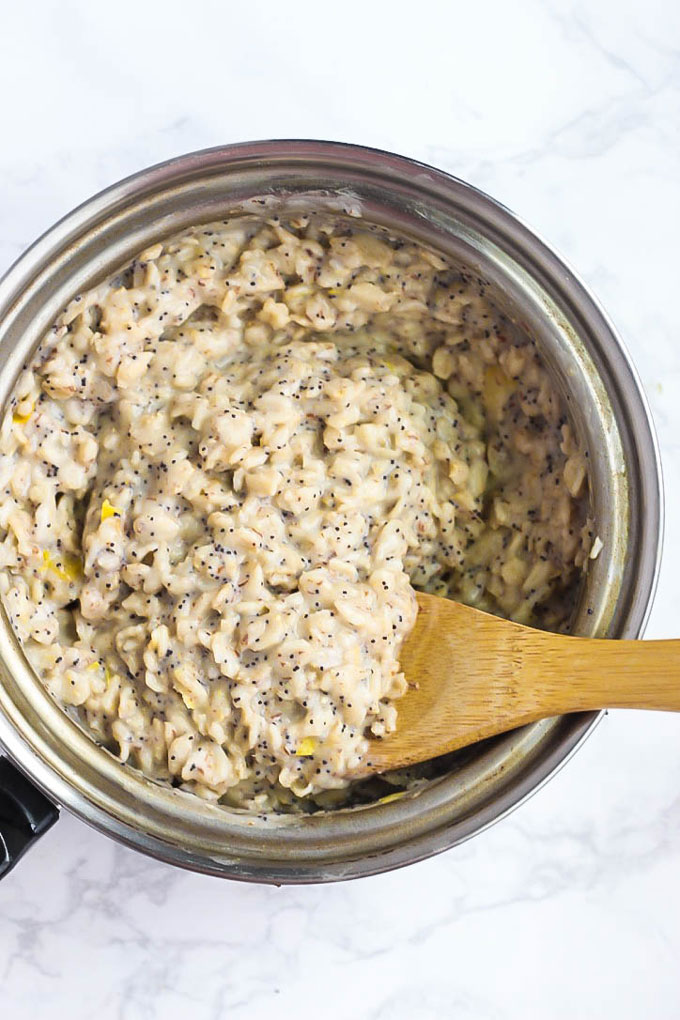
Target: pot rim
[{"x": 576, "y": 729}]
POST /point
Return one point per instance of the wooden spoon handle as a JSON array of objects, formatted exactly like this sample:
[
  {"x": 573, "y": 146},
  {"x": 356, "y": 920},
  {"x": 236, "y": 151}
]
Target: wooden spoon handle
[{"x": 590, "y": 673}]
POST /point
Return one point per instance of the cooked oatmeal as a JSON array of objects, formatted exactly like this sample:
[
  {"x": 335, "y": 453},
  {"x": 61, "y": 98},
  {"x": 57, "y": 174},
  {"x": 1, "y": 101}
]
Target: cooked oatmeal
[{"x": 225, "y": 471}]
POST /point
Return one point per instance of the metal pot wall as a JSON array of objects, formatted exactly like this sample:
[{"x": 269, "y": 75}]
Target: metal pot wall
[{"x": 473, "y": 788}]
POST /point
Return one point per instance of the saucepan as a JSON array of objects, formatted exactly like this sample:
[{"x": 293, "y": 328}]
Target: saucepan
[{"x": 50, "y": 762}]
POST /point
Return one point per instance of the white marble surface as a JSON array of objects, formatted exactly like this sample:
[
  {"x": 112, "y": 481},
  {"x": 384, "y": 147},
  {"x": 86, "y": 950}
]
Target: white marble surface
[{"x": 570, "y": 114}]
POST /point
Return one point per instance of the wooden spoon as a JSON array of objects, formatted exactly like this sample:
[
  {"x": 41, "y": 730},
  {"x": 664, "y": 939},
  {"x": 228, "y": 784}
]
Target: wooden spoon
[{"x": 474, "y": 675}]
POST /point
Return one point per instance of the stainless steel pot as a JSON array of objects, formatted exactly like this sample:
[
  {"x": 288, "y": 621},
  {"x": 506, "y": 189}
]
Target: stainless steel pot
[{"x": 478, "y": 786}]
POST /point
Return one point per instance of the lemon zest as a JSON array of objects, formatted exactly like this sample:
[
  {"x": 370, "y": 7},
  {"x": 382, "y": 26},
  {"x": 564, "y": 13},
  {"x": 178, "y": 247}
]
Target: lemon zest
[
  {"x": 108, "y": 510},
  {"x": 69, "y": 569},
  {"x": 23, "y": 418},
  {"x": 392, "y": 796},
  {"x": 73, "y": 567},
  {"x": 308, "y": 746},
  {"x": 49, "y": 564},
  {"x": 93, "y": 665}
]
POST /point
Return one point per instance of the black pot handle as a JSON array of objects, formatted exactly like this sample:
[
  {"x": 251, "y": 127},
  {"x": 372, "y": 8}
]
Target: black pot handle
[{"x": 25, "y": 814}]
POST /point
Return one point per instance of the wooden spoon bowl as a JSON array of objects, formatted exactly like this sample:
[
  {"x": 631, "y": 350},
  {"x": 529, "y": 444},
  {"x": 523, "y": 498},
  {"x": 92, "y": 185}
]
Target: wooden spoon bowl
[{"x": 472, "y": 675}]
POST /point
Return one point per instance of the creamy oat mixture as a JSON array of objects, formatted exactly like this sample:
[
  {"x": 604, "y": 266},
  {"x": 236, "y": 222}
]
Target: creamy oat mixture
[{"x": 225, "y": 471}]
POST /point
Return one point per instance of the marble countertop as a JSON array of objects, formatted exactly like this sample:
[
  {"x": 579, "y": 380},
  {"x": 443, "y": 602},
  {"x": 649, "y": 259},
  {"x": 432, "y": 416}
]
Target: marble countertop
[{"x": 569, "y": 114}]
